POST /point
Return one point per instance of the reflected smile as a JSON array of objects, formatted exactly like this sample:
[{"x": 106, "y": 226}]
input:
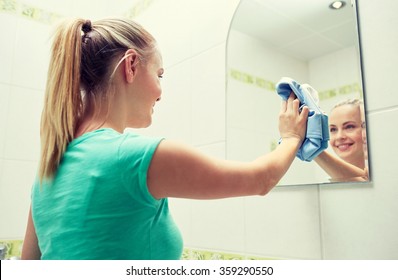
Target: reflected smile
[{"x": 344, "y": 146}]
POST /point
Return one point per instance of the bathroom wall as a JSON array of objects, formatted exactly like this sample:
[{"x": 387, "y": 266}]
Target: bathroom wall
[
  {"x": 23, "y": 62},
  {"x": 304, "y": 222},
  {"x": 360, "y": 221}
]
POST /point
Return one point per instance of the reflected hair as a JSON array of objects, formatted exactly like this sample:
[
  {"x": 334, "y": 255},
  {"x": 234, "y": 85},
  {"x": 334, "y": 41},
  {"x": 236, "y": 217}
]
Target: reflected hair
[
  {"x": 80, "y": 75},
  {"x": 351, "y": 101}
]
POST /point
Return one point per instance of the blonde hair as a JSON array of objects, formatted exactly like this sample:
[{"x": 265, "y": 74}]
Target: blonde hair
[
  {"x": 80, "y": 73},
  {"x": 352, "y": 101}
]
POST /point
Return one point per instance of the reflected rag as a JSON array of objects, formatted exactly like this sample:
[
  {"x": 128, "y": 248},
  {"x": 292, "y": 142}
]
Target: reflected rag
[{"x": 317, "y": 135}]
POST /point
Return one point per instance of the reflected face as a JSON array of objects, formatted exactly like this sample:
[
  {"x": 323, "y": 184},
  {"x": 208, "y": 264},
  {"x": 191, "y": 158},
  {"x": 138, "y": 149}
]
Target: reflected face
[{"x": 346, "y": 139}]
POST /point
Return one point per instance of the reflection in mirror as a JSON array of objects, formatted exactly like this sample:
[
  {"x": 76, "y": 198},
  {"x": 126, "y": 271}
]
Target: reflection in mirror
[{"x": 313, "y": 44}]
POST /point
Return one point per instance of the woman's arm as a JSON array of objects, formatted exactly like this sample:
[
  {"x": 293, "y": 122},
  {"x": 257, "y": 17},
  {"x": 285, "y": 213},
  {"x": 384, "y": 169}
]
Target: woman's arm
[
  {"x": 30, "y": 248},
  {"x": 180, "y": 171},
  {"x": 339, "y": 170}
]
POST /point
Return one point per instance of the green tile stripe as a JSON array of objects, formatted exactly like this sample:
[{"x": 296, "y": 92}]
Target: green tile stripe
[
  {"x": 270, "y": 85},
  {"x": 8, "y": 5},
  {"x": 37, "y": 14},
  {"x": 14, "y": 249},
  {"x": 342, "y": 90},
  {"x": 139, "y": 8},
  {"x": 199, "y": 254},
  {"x": 251, "y": 79},
  {"x": 34, "y": 13}
]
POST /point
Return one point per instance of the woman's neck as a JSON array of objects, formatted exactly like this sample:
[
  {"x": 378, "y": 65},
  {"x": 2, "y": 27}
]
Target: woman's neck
[{"x": 91, "y": 122}]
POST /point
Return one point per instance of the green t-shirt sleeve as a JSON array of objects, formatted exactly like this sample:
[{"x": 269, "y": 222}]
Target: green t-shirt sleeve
[{"x": 135, "y": 156}]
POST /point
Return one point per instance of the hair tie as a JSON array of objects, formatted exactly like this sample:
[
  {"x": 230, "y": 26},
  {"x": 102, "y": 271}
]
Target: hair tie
[{"x": 87, "y": 26}]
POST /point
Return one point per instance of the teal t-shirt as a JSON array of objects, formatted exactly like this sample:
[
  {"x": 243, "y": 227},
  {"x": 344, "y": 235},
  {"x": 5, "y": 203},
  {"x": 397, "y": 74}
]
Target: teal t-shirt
[{"x": 98, "y": 206}]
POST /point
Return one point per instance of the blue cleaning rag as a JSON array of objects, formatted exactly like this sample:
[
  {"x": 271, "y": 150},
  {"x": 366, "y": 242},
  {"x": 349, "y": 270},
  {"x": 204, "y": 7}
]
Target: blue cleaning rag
[{"x": 317, "y": 136}]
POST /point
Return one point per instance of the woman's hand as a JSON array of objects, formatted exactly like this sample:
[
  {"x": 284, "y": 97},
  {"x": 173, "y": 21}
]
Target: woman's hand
[{"x": 292, "y": 122}]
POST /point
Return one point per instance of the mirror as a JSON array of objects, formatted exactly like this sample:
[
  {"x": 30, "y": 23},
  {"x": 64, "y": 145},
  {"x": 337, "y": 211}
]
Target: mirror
[{"x": 311, "y": 43}]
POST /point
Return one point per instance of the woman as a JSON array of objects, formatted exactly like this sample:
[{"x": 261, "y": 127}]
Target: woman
[
  {"x": 101, "y": 193},
  {"x": 348, "y": 141}
]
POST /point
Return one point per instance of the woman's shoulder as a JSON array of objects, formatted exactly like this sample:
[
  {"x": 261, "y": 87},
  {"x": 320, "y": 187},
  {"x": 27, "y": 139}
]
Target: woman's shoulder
[{"x": 130, "y": 137}]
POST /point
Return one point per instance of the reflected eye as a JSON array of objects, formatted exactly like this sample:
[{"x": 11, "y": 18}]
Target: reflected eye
[{"x": 350, "y": 127}]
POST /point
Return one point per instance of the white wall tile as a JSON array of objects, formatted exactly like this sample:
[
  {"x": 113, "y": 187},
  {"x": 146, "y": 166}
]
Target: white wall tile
[
  {"x": 32, "y": 48},
  {"x": 8, "y": 24},
  {"x": 250, "y": 55},
  {"x": 284, "y": 224},
  {"x": 169, "y": 22},
  {"x": 208, "y": 96},
  {"x": 92, "y": 10},
  {"x": 218, "y": 225},
  {"x": 61, "y": 8},
  {"x": 180, "y": 27},
  {"x": 210, "y": 22},
  {"x": 15, "y": 186},
  {"x": 23, "y": 127},
  {"x": 117, "y": 7},
  {"x": 363, "y": 226},
  {"x": 335, "y": 69},
  {"x": 246, "y": 102},
  {"x": 379, "y": 40},
  {"x": 4, "y": 107},
  {"x": 245, "y": 145}
]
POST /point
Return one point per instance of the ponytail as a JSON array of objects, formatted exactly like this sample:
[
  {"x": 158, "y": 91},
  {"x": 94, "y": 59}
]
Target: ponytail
[
  {"x": 82, "y": 64},
  {"x": 63, "y": 102}
]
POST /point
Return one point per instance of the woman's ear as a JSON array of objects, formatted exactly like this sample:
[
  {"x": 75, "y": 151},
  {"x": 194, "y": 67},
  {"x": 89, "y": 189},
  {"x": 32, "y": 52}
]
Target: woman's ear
[{"x": 130, "y": 65}]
